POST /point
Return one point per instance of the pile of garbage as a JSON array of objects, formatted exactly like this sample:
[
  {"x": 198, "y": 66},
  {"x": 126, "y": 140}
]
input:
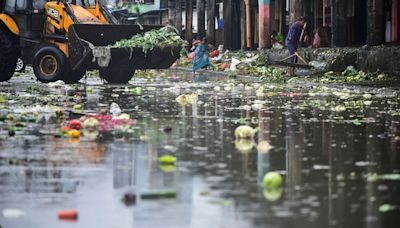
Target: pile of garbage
[
  {"x": 351, "y": 75},
  {"x": 92, "y": 125},
  {"x": 241, "y": 63},
  {"x": 161, "y": 38}
]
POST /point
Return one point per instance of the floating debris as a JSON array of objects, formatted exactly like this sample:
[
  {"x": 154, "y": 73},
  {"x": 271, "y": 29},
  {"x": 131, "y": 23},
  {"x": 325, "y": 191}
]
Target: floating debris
[
  {"x": 272, "y": 180},
  {"x": 13, "y": 213},
  {"x": 68, "y": 215},
  {"x": 168, "y": 194},
  {"x": 129, "y": 199},
  {"x": 386, "y": 208},
  {"x": 245, "y": 132},
  {"x": 321, "y": 167},
  {"x": 375, "y": 177},
  {"x": 264, "y": 147},
  {"x": 167, "y": 159}
]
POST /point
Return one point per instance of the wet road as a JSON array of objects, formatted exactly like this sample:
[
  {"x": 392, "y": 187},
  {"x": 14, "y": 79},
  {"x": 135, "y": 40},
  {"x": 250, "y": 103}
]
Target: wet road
[{"x": 337, "y": 148}]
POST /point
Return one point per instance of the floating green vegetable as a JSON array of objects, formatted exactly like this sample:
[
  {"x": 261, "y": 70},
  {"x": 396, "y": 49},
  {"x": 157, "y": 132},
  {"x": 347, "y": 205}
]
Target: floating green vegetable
[
  {"x": 244, "y": 132},
  {"x": 167, "y": 159},
  {"x": 272, "y": 180}
]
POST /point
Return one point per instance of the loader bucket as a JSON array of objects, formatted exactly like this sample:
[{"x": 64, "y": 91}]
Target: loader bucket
[{"x": 84, "y": 38}]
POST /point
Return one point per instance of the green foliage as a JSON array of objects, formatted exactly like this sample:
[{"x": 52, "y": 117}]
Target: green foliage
[
  {"x": 272, "y": 74},
  {"x": 350, "y": 75}
]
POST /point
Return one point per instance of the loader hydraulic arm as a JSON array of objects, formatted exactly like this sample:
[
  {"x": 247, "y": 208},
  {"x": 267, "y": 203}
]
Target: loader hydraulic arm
[
  {"x": 69, "y": 11},
  {"x": 110, "y": 18}
]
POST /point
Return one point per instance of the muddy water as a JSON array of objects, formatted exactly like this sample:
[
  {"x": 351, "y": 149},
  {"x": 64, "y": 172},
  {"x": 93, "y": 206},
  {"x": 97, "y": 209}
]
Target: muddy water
[{"x": 325, "y": 153}]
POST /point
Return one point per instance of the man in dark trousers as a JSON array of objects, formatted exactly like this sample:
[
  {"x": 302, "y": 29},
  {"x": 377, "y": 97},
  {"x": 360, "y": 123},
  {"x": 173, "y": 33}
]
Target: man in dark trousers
[{"x": 293, "y": 40}]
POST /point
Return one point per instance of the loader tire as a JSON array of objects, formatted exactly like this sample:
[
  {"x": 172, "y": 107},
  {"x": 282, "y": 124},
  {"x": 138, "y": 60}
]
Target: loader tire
[
  {"x": 8, "y": 57},
  {"x": 49, "y": 64},
  {"x": 117, "y": 76}
]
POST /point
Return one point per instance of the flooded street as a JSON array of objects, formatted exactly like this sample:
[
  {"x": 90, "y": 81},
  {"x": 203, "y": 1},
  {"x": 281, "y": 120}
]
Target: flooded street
[{"x": 337, "y": 149}]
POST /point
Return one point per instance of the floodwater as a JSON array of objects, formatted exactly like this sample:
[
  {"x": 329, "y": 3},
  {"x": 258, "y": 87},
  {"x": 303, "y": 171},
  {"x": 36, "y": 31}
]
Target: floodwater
[{"x": 326, "y": 142}]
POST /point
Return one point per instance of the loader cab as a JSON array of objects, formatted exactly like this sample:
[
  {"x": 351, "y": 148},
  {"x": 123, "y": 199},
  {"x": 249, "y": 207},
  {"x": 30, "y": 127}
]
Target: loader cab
[{"x": 29, "y": 16}]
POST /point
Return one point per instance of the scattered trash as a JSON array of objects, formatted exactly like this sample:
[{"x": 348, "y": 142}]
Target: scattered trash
[
  {"x": 264, "y": 147},
  {"x": 13, "y": 213},
  {"x": 364, "y": 163},
  {"x": 184, "y": 100},
  {"x": 224, "y": 202},
  {"x": 167, "y": 130},
  {"x": 367, "y": 103},
  {"x": 158, "y": 195},
  {"x": 129, "y": 199},
  {"x": 68, "y": 215},
  {"x": 12, "y": 131},
  {"x": 56, "y": 84},
  {"x": 375, "y": 177},
  {"x": 115, "y": 110},
  {"x": 321, "y": 167}
]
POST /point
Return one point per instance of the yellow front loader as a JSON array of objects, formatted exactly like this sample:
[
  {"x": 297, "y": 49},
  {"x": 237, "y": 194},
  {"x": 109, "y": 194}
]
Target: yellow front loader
[{"x": 63, "y": 39}]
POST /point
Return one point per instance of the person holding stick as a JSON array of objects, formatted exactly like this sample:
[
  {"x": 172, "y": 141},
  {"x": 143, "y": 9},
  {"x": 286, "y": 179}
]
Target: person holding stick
[{"x": 293, "y": 40}]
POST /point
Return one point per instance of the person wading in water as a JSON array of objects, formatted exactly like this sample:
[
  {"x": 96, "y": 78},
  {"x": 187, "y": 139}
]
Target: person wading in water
[
  {"x": 201, "y": 53},
  {"x": 293, "y": 40}
]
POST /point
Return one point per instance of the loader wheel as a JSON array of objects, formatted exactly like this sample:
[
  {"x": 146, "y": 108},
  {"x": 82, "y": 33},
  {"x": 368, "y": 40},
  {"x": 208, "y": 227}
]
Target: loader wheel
[
  {"x": 49, "y": 64},
  {"x": 117, "y": 76},
  {"x": 8, "y": 57}
]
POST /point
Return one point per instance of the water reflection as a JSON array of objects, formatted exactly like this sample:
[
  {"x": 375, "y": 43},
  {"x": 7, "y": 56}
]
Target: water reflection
[{"x": 324, "y": 160}]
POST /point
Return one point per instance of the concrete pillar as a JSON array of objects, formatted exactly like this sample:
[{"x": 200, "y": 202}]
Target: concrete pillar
[
  {"x": 295, "y": 10},
  {"x": 189, "y": 20},
  {"x": 339, "y": 14},
  {"x": 211, "y": 21},
  {"x": 376, "y": 22},
  {"x": 395, "y": 20},
  {"x": 243, "y": 24},
  {"x": 227, "y": 20},
  {"x": 264, "y": 26},
  {"x": 178, "y": 16},
  {"x": 201, "y": 20},
  {"x": 171, "y": 12},
  {"x": 248, "y": 24}
]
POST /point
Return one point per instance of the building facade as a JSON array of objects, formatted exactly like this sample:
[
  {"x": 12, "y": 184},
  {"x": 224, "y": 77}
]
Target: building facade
[{"x": 247, "y": 24}]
